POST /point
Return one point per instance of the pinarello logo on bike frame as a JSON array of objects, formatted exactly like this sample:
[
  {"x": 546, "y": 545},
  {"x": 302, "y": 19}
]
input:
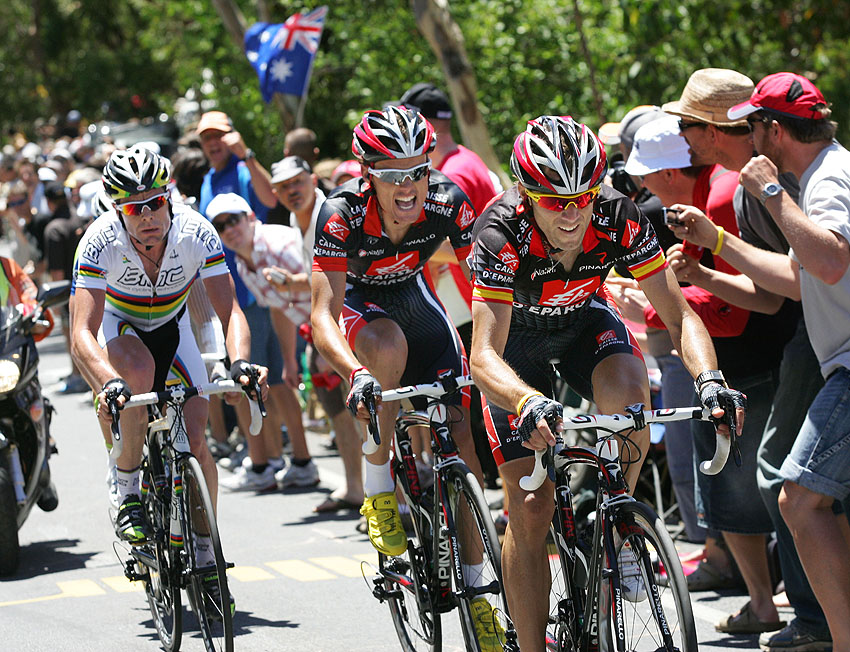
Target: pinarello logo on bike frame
[
  {"x": 466, "y": 216},
  {"x": 508, "y": 256},
  {"x": 391, "y": 265},
  {"x": 556, "y": 293},
  {"x": 337, "y": 227}
]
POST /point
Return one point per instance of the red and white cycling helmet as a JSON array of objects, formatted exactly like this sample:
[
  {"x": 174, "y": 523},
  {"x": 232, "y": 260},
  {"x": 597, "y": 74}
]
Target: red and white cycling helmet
[
  {"x": 396, "y": 132},
  {"x": 129, "y": 172},
  {"x": 557, "y": 155}
]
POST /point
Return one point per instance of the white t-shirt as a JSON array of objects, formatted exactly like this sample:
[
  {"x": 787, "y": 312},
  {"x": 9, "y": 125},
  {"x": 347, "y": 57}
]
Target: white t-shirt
[
  {"x": 825, "y": 199},
  {"x": 310, "y": 235}
]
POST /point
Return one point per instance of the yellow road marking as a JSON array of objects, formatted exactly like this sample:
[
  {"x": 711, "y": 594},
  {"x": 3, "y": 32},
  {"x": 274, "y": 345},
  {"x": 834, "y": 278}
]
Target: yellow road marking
[
  {"x": 121, "y": 584},
  {"x": 300, "y": 570},
  {"x": 80, "y": 588},
  {"x": 345, "y": 566},
  {"x": 249, "y": 574}
]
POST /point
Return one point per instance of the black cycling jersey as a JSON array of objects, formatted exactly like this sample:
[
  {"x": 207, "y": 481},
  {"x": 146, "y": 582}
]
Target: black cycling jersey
[
  {"x": 350, "y": 237},
  {"x": 511, "y": 262}
]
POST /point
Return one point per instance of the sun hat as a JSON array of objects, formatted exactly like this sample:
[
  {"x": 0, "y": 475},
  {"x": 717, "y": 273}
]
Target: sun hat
[
  {"x": 349, "y": 167},
  {"x": 217, "y": 120},
  {"x": 289, "y": 168},
  {"x": 785, "y": 93},
  {"x": 658, "y": 145},
  {"x": 227, "y": 202},
  {"x": 709, "y": 94}
]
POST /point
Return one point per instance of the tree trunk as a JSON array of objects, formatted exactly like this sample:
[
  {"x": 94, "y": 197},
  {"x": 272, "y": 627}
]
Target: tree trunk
[
  {"x": 446, "y": 40},
  {"x": 234, "y": 22}
]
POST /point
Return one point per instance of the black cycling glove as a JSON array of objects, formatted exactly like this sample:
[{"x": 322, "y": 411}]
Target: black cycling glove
[
  {"x": 115, "y": 388},
  {"x": 535, "y": 408},
  {"x": 244, "y": 368},
  {"x": 714, "y": 395},
  {"x": 363, "y": 385}
]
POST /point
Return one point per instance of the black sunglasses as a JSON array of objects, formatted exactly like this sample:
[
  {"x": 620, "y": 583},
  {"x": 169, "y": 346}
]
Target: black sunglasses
[
  {"x": 754, "y": 118},
  {"x": 230, "y": 220},
  {"x": 687, "y": 125}
]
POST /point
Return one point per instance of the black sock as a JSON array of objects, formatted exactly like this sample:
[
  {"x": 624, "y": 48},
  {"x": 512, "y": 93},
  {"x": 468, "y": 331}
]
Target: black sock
[
  {"x": 302, "y": 463},
  {"x": 259, "y": 468}
]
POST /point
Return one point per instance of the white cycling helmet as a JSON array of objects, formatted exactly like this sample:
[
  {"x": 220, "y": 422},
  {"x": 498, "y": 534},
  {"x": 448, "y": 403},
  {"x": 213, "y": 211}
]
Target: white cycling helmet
[
  {"x": 131, "y": 171},
  {"x": 396, "y": 132},
  {"x": 556, "y": 154}
]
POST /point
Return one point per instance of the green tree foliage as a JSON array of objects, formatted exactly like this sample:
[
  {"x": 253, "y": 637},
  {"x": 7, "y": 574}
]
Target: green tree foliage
[{"x": 528, "y": 56}]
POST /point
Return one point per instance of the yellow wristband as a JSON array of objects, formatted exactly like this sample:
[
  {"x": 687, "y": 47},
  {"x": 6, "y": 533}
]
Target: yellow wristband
[
  {"x": 522, "y": 401},
  {"x": 719, "y": 245}
]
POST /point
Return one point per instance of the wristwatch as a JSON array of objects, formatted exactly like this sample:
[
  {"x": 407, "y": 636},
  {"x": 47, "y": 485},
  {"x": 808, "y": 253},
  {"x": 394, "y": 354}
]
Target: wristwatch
[
  {"x": 711, "y": 376},
  {"x": 770, "y": 190},
  {"x": 249, "y": 154}
]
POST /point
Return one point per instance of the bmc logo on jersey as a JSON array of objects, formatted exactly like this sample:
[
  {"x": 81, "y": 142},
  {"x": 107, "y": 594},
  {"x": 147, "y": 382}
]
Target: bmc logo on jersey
[
  {"x": 405, "y": 263},
  {"x": 508, "y": 256},
  {"x": 466, "y": 216},
  {"x": 604, "y": 336},
  {"x": 556, "y": 293},
  {"x": 337, "y": 227}
]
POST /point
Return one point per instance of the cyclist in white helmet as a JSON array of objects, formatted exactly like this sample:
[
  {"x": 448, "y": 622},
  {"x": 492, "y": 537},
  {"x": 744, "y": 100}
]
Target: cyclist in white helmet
[
  {"x": 541, "y": 252},
  {"x": 133, "y": 271}
]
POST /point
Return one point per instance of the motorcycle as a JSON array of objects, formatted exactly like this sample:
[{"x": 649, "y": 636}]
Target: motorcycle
[{"x": 25, "y": 444}]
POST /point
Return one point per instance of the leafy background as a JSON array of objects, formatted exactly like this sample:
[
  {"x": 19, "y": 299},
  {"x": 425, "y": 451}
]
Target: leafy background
[{"x": 123, "y": 58}]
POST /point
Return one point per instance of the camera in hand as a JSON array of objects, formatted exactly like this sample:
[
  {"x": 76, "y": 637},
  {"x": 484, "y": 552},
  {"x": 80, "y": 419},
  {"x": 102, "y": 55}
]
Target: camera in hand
[
  {"x": 671, "y": 216},
  {"x": 620, "y": 179}
]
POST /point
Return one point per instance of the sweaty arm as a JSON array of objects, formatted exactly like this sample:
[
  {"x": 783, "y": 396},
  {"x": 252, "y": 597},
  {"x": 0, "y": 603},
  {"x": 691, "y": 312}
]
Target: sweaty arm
[
  {"x": 687, "y": 331},
  {"x": 86, "y": 316},
  {"x": 223, "y": 298},
  {"x": 328, "y": 298}
]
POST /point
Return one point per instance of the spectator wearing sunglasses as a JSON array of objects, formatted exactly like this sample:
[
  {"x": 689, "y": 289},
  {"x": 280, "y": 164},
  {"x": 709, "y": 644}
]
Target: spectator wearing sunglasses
[
  {"x": 375, "y": 319},
  {"x": 541, "y": 252},
  {"x": 714, "y": 137}
]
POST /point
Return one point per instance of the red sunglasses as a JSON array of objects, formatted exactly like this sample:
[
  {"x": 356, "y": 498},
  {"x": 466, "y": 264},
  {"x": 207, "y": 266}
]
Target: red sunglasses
[
  {"x": 562, "y": 202},
  {"x": 134, "y": 208}
]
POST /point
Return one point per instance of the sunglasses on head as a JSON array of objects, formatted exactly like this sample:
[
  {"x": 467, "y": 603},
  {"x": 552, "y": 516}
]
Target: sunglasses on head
[
  {"x": 232, "y": 218},
  {"x": 134, "y": 208},
  {"x": 563, "y": 202},
  {"x": 416, "y": 173}
]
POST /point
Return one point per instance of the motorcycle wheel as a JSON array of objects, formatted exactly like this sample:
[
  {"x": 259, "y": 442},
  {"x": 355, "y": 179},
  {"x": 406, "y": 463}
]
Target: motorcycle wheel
[{"x": 9, "y": 546}]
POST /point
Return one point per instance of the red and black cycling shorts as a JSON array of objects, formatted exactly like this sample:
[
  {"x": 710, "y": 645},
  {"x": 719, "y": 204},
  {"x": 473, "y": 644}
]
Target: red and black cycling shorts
[
  {"x": 433, "y": 345},
  {"x": 574, "y": 352}
]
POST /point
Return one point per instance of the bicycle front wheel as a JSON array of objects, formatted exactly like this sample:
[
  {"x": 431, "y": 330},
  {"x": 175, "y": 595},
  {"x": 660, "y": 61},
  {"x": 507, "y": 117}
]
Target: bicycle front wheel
[
  {"x": 481, "y": 596},
  {"x": 655, "y": 610},
  {"x": 207, "y": 587},
  {"x": 158, "y": 559}
]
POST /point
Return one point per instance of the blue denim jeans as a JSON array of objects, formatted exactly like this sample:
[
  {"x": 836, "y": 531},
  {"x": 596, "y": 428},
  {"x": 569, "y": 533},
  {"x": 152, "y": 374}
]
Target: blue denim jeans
[
  {"x": 677, "y": 390},
  {"x": 265, "y": 347},
  {"x": 799, "y": 382}
]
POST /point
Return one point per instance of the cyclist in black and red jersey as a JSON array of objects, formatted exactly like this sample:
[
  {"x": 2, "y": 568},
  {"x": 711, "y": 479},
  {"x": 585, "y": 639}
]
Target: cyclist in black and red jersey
[
  {"x": 374, "y": 317},
  {"x": 540, "y": 256}
]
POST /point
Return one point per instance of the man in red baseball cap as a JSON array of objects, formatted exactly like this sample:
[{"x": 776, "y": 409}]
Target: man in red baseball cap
[{"x": 792, "y": 132}]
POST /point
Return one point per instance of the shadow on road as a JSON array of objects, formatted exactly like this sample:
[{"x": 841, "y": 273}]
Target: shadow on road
[{"x": 43, "y": 557}]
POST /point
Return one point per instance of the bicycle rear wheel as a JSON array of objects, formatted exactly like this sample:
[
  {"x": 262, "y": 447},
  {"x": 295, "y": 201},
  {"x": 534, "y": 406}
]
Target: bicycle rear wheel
[
  {"x": 162, "y": 588},
  {"x": 663, "y": 619},
  {"x": 566, "y": 598},
  {"x": 481, "y": 597},
  {"x": 207, "y": 586}
]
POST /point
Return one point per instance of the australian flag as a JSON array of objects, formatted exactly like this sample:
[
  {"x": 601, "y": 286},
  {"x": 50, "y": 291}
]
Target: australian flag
[{"x": 282, "y": 54}]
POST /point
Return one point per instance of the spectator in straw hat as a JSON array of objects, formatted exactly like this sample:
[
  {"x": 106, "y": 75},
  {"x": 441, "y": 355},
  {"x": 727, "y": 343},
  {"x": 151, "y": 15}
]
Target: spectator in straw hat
[{"x": 717, "y": 138}]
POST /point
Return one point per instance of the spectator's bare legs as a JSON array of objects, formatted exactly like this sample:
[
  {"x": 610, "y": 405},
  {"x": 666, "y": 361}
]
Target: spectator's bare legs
[
  {"x": 750, "y": 553},
  {"x": 218, "y": 427},
  {"x": 823, "y": 542},
  {"x": 256, "y": 444},
  {"x": 348, "y": 443}
]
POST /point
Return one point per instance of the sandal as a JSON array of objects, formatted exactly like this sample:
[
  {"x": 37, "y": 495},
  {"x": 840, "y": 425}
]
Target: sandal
[
  {"x": 334, "y": 504},
  {"x": 707, "y": 577},
  {"x": 746, "y": 622}
]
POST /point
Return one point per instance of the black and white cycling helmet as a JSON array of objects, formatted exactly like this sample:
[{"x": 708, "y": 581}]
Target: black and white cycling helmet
[
  {"x": 557, "y": 155},
  {"x": 396, "y": 132},
  {"x": 131, "y": 171}
]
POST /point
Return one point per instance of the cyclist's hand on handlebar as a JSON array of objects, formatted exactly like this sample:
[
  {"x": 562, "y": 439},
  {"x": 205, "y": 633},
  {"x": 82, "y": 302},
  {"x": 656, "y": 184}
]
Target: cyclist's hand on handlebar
[
  {"x": 539, "y": 419},
  {"x": 113, "y": 394},
  {"x": 363, "y": 384},
  {"x": 247, "y": 374},
  {"x": 728, "y": 408}
]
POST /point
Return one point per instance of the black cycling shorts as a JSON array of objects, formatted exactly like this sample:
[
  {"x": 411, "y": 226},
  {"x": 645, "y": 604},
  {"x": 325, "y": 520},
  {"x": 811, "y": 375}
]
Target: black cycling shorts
[
  {"x": 433, "y": 345},
  {"x": 574, "y": 351}
]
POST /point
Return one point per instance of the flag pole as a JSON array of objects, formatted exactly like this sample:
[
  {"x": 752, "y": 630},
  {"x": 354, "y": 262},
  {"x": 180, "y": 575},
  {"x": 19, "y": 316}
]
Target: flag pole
[{"x": 302, "y": 102}]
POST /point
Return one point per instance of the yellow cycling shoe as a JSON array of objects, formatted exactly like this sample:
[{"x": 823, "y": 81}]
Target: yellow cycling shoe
[
  {"x": 385, "y": 529},
  {"x": 488, "y": 629}
]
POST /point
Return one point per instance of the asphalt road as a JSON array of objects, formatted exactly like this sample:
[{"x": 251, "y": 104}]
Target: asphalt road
[{"x": 298, "y": 580}]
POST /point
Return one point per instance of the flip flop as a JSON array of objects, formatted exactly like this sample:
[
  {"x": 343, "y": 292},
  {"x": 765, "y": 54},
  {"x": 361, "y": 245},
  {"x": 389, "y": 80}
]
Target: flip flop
[
  {"x": 746, "y": 622},
  {"x": 334, "y": 504}
]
